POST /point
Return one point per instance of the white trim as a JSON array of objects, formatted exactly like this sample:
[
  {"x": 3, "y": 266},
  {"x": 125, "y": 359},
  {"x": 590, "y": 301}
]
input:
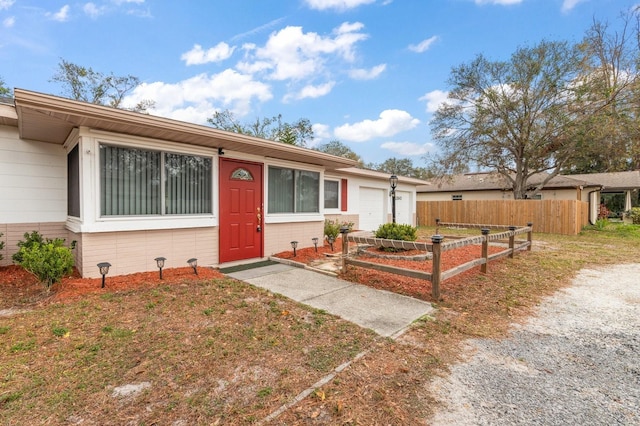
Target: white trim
[
  {"x": 338, "y": 209},
  {"x": 90, "y": 141}
]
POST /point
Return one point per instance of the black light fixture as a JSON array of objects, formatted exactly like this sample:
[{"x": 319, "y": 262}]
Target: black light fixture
[
  {"x": 331, "y": 239},
  {"x": 104, "y": 270},
  {"x": 160, "y": 263},
  {"x": 315, "y": 243},
  {"x": 294, "y": 245},
  {"x": 393, "y": 181},
  {"x": 193, "y": 262}
]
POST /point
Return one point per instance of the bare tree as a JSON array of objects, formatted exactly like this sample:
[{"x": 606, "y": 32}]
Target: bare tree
[
  {"x": 295, "y": 133},
  {"x": 85, "y": 84},
  {"x": 517, "y": 117}
]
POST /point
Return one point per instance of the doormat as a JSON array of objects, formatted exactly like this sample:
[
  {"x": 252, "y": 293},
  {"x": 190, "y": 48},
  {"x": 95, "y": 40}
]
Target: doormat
[{"x": 232, "y": 269}]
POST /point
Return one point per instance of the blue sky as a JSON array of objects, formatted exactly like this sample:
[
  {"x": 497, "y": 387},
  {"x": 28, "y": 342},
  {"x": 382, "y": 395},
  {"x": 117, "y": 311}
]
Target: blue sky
[{"x": 369, "y": 73}]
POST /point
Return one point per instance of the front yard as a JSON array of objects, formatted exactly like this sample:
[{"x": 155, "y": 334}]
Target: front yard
[{"x": 210, "y": 350}]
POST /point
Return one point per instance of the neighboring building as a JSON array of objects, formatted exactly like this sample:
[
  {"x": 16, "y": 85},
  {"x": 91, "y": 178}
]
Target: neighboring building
[
  {"x": 619, "y": 191},
  {"x": 493, "y": 186},
  {"x": 129, "y": 187}
]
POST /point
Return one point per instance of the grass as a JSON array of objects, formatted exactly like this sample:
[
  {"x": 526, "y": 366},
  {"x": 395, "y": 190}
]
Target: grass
[{"x": 221, "y": 351}]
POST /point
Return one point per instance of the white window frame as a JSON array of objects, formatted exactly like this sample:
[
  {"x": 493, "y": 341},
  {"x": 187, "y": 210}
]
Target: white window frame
[{"x": 332, "y": 209}]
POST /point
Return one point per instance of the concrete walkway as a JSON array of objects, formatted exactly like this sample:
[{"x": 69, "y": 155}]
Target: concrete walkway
[{"x": 386, "y": 313}]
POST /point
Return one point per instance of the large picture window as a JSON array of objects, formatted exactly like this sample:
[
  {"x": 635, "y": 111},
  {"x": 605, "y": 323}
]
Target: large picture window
[
  {"x": 293, "y": 191},
  {"x": 131, "y": 183}
]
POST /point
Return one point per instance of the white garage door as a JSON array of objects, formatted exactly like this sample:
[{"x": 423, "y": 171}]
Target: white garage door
[
  {"x": 404, "y": 212},
  {"x": 372, "y": 204}
]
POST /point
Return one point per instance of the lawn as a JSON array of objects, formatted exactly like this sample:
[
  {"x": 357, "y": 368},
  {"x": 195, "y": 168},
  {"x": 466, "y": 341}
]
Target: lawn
[{"x": 211, "y": 350}]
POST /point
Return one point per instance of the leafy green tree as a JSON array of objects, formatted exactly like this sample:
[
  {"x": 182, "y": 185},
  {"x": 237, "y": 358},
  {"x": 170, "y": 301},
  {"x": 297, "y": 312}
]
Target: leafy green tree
[
  {"x": 518, "y": 117},
  {"x": 273, "y": 128},
  {"x": 337, "y": 148},
  {"x": 4, "y": 90},
  {"x": 609, "y": 140},
  {"x": 85, "y": 84},
  {"x": 401, "y": 167}
]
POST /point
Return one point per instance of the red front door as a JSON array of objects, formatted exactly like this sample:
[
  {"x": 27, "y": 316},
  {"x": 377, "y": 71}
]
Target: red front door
[{"x": 241, "y": 215}]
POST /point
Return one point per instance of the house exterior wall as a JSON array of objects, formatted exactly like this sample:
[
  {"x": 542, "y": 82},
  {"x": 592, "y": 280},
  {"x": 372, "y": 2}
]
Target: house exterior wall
[
  {"x": 278, "y": 236},
  {"x": 12, "y": 233},
  {"x": 34, "y": 176},
  {"x": 355, "y": 183},
  {"x": 135, "y": 251},
  {"x": 33, "y": 193}
]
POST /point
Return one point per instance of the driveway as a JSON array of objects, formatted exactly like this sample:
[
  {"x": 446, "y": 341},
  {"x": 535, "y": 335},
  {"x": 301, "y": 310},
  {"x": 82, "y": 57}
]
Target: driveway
[{"x": 576, "y": 362}]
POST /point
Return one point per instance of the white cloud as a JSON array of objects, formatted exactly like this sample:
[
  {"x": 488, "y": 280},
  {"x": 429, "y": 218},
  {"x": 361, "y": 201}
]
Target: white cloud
[
  {"x": 293, "y": 54},
  {"x": 321, "y": 131},
  {"x": 424, "y": 45},
  {"x": 311, "y": 91},
  {"x": 408, "y": 148},
  {"x": 499, "y": 2},
  {"x": 391, "y": 122},
  {"x": 119, "y": 2},
  {"x": 62, "y": 15},
  {"x": 9, "y": 22},
  {"x": 93, "y": 11},
  {"x": 340, "y": 5},
  {"x": 434, "y": 99},
  {"x": 198, "y": 56},
  {"x": 568, "y": 5},
  {"x": 6, "y": 4},
  {"x": 370, "y": 74},
  {"x": 197, "y": 98}
]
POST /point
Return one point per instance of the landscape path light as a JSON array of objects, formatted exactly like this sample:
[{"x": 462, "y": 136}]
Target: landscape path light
[
  {"x": 193, "y": 262},
  {"x": 104, "y": 270},
  {"x": 160, "y": 263},
  {"x": 393, "y": 181},
  {"x": 315, "y": 243},
  {"x": 294, "y": 245}
]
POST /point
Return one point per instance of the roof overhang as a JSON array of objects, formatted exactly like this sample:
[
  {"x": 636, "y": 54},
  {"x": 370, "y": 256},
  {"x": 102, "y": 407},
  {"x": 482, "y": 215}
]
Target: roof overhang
[{"x": 51, "y": 119}]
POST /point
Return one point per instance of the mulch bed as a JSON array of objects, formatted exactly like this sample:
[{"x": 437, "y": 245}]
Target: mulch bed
[{"x": 19, "y": 287}]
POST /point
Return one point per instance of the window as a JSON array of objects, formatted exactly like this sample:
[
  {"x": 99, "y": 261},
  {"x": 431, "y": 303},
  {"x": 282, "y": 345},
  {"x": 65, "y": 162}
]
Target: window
[
  {"x": 131, "y": 183},
  {"x": 293, "y": 191},
  {"x": 331, "y": 194},
  {"x": 73, "y": 182},
  {"x": 187, "y": 184},
  {"x": 457, "y": 197}
]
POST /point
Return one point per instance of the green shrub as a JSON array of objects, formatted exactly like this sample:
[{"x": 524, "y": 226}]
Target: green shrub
[
  {"x": 332, "y": 228},
  {"x": 49, "y": 261},
  {"x": 29, "y": 241},
  {"x": 1, "y": 245},
  {"x": 396, "y": 231},
  {"x": 634, "y": 214}
]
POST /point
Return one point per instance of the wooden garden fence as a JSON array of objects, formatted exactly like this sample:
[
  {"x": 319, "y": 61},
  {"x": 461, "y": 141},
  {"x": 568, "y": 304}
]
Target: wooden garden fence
[
  {"x": 566, "y": 217},
  {"x": 438, "y": 247}
]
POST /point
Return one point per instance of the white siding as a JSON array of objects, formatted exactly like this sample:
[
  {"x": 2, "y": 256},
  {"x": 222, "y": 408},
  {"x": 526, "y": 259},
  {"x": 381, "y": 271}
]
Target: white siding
[
  {"x": 404, "y": 209},
  {"x": 32, "y": 180}
]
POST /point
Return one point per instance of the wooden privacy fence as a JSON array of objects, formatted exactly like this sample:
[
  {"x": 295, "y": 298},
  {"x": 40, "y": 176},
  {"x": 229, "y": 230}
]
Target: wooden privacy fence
[
  {"x": 565, "y": 217},
  {"x": 438, "y": 247}
]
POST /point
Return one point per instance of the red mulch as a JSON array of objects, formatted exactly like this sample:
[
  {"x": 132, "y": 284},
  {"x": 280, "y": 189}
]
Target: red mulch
[{"x": 19, "y": 286}]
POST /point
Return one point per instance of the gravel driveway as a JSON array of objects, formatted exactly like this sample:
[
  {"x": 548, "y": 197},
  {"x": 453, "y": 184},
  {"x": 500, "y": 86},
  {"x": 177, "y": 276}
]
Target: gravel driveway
[{"x": 576, "y": 362}]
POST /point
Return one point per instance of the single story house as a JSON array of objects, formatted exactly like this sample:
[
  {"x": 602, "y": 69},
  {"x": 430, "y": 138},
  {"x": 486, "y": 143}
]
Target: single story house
[
  {"x": 589, "y": 188},
  {"x": 129, "y": 187}
]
